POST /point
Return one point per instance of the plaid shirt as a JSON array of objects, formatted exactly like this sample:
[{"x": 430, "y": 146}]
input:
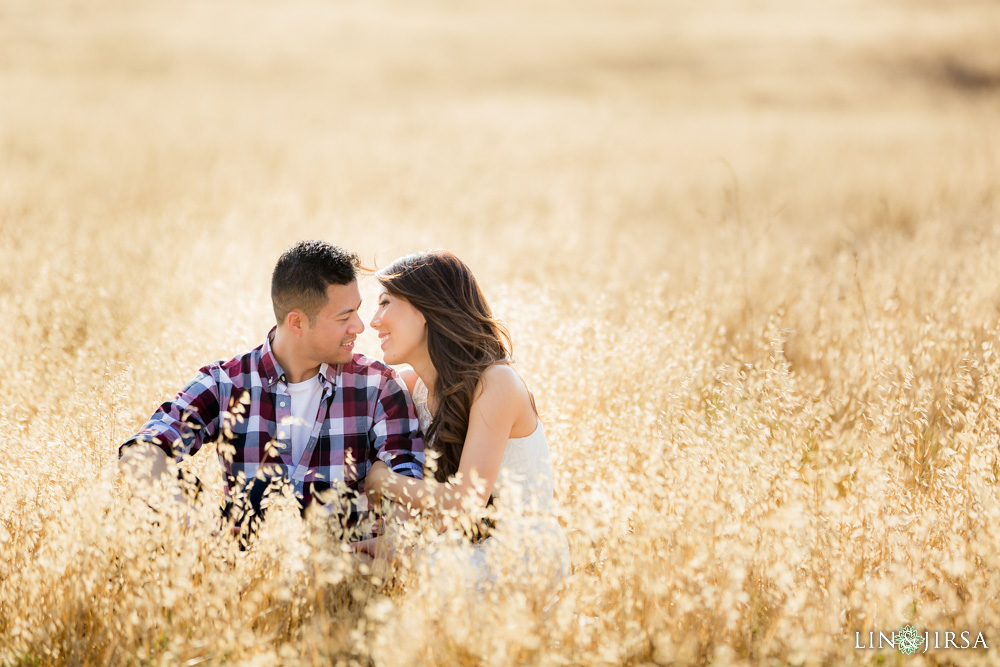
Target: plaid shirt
[{"x": 365, "y": 414}]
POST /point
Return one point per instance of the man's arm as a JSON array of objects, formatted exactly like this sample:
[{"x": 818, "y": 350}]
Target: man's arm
[
  {"x": 396, "y": 431},
  {"x": 179, "y": 427}
]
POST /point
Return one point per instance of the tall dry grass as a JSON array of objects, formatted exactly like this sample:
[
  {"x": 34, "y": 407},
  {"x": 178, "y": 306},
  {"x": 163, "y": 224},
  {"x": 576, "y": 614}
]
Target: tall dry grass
[{"x": 747, "y": 254}]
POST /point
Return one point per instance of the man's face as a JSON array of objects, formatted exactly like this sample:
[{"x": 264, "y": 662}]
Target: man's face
[{"x": 329, "y": 336}]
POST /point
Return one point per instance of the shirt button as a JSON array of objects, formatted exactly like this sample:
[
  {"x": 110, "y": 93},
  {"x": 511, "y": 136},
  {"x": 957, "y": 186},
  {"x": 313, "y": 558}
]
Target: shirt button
[{"x": 281, "y": 404}]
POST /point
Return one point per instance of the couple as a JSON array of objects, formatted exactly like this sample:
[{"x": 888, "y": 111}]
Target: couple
[{"x": 303, "y": 411}]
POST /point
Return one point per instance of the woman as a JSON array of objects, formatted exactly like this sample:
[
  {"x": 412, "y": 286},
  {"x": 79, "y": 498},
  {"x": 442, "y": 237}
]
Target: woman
[{"x": 475, "y": 411}]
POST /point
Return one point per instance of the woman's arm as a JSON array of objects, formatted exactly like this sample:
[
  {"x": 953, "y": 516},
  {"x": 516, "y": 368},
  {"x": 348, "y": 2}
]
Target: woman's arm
[{"x": 500, "y": 397}]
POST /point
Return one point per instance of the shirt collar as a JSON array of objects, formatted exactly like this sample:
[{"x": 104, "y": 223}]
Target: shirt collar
[
  {"x": 273, "y": 372},
  {"x": 328, "y": 375}
]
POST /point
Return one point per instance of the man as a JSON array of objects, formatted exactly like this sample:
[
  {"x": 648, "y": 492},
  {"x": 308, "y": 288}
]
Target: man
[{"x": 301, "y": 409}]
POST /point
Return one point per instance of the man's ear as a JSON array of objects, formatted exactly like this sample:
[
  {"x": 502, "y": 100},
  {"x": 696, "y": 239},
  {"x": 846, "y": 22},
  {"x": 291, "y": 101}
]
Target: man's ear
[{"x": 296, "y": 320}]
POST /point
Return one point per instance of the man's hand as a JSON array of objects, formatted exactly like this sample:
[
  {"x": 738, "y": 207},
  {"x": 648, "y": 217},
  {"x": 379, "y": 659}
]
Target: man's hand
[
  {"x": 381, "y": 554},
  {"x": 376, "y": 484},
  {"x": 368, "y": 546},
  {"x": 150, "y": 477}
]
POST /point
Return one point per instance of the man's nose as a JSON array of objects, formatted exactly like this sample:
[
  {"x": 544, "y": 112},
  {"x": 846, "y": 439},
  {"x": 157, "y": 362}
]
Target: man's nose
[{"x": 357, "y": 325}]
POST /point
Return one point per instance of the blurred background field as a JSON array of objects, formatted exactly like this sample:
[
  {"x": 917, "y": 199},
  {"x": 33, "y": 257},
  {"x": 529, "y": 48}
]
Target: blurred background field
[{"x": 746, "y": 251}]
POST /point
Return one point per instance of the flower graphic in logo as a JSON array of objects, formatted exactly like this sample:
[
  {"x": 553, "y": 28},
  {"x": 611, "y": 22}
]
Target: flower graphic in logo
[{"x": 907, "y": 639}]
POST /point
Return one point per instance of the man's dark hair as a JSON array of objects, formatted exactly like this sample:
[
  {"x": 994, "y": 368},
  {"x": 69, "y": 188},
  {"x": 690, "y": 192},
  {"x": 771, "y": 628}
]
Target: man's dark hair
[{"x": 303, "y": 273}]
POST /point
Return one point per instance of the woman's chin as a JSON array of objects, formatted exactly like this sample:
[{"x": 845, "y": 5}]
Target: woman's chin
[{"x": 393, "y": 358}]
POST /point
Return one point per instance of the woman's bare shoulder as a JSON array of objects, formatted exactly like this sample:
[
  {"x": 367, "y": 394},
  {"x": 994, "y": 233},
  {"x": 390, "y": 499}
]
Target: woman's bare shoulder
[
  {"x": 504, "y": 392},
  {"x": 503, "y": 381},
  {"x": 409, "y": 378}
]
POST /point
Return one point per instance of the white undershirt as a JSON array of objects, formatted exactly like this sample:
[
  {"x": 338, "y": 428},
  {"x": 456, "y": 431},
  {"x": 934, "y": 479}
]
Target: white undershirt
[{"x": 305, "y": 406}]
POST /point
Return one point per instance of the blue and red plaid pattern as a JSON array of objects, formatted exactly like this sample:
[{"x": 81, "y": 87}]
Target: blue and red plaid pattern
[{"x": 365, "y": 414}]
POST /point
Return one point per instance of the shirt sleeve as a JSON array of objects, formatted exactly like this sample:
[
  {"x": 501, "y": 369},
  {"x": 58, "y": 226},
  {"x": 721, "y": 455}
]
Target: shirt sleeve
[
  {"x": 396, "y": 431},
  {"x": 182, "y": 425}
]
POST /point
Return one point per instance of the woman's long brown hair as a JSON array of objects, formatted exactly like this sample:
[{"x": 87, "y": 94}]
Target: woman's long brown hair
[{"x": 463, "y": 339}]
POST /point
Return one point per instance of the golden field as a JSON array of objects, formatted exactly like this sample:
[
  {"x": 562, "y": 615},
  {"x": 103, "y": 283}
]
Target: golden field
[{"x": 747, "y": 252}]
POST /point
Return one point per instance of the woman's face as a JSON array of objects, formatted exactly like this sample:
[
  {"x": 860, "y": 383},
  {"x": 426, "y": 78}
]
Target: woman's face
[{"x": 401, "y": 328}]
